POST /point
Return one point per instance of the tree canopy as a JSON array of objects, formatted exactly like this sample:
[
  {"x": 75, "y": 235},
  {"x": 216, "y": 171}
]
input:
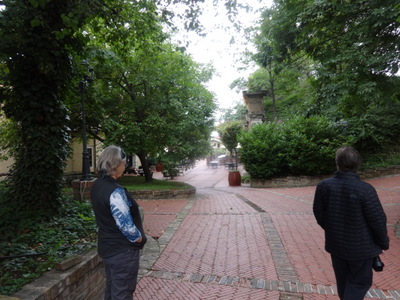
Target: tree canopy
[
  {"x": 42, "y": 43},
  {"x": 36, "y": 44},
  {"x": 155, "y": 104},
  {"x": 354, "y": 46},
  {"x": 229, "y": 132}
]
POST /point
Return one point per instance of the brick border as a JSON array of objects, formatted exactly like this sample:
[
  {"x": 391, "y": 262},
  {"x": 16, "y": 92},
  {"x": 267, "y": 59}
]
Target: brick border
[
  {"x": 84, "y": 280},
  {"x": 294, "y": 288},
  {"x": 81, "y": 191}
]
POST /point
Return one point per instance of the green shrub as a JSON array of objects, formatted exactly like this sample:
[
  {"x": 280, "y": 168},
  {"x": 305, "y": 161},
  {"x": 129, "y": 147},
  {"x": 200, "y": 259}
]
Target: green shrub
[
  {"x": 262, "y": 151},
  {"x": 300, "y": 146},
  {"x": 245, "y": 178},
  {"x": 30, "y": 246},
  {"x": 310, "y": 145}
]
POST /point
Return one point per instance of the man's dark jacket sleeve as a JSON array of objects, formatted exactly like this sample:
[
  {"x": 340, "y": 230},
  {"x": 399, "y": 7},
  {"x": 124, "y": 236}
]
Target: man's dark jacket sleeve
[{"x": 352, "y": 217}]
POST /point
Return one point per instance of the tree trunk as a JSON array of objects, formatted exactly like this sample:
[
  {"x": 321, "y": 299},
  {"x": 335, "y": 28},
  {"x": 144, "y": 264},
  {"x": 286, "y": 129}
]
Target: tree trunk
[
  {"x": 145, "y": 165},
  {"x": 272, "y": 89}
]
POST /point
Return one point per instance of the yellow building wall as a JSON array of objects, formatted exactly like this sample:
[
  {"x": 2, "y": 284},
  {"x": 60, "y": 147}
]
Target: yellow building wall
[
  {"x": 5, "y": 166},
  {"x": 74, "y": 164}
]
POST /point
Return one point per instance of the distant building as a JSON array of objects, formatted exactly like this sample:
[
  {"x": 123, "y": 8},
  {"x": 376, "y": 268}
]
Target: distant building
[{"x": 216, "y": 141}]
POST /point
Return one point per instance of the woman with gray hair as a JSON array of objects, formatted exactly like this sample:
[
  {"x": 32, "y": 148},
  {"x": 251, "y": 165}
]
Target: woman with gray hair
[{"x": 120, "y": 229}]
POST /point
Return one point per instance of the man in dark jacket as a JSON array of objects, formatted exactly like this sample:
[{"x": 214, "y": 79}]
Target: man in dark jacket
[{"x": 354, "y": 222}]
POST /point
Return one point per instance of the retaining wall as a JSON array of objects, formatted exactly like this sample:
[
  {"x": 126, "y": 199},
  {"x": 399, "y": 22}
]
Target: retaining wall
[
  {"x": 81, "y": 191},
  {"x": 84, "y": 281},
  {"x": 299, "y": 181}
]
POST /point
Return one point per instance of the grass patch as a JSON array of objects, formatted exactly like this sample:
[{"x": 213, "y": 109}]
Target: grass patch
[{"x": 138, "y": 183}]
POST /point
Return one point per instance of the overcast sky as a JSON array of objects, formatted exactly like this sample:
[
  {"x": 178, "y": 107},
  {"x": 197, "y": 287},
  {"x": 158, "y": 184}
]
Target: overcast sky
[{"x": 216, "y": 48}]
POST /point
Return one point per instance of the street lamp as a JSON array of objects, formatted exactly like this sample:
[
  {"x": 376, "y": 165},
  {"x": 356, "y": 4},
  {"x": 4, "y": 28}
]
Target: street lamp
[{"x": 85, "y": 154}]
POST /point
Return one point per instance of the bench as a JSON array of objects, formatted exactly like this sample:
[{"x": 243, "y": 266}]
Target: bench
[
  {"x": 170, "y": 174},
  {"x": 214, "y": 164},
  {"x": 166, "y": 175},
  {"x": 231, "y": 165}
]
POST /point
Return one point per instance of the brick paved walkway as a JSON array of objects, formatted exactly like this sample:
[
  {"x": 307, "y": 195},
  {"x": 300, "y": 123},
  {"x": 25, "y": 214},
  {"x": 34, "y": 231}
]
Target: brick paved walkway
[{"x": 244, "y": 243}]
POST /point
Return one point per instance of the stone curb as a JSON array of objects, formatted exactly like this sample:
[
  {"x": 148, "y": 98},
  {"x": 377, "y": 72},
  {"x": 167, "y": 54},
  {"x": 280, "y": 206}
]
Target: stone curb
[{"x": 292, "y": 287}]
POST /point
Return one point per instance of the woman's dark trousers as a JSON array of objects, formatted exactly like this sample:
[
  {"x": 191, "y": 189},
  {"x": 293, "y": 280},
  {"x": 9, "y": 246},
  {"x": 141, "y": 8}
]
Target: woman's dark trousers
[{"x": 121, "y": 275}]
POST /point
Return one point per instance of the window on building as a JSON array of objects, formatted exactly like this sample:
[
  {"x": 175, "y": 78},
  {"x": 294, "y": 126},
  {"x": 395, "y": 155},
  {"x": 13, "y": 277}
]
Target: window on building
[{"x": 90, "y": 152}]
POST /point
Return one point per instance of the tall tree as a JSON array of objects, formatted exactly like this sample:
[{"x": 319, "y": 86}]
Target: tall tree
[
  {"x": 268, "y": 58},
  {"x": 36, "y": 43},
  {"x": 229, "y": 132},
  {"x": 39, "y": 42},
  {"x": 156, "y": 104},
  {"x": 354, "y": 44}
]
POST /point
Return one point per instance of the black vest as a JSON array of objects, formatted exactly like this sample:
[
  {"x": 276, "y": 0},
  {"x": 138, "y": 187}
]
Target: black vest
[{"x": 110, "y": 239}]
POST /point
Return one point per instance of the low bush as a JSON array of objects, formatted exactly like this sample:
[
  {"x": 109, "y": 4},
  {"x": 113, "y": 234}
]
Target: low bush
[
  {"x": 29, "y": 245},
  {"x": 245, "y": 178},
  {"x": 300, "y": 146},
  {"x": 262, "y": 151},
  {"x": 310, "y": 145}
]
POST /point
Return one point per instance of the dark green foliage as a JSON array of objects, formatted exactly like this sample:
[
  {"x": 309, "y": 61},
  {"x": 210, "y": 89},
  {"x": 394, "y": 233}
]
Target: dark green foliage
[
  {"x": 311, "y": 144},
  {"x": 382, "y": 160},
  {"x": 36, "y": 43},
  {"x": 262, "y": 151},
  {"x": 352, "y": 36},
  {"x": 353, "y": 44},
  {"x": 40, "y": 244},
  {"x": 376, "y": 130},
  {"x": 138, "y": 183},
  {"x": 335, "y": 59},
  {"x": 301, "y": 146}
]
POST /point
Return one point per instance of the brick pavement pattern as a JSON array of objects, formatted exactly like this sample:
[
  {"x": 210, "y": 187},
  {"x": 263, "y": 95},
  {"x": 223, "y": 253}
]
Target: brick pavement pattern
[
  {"x": 158, "y": 214},
  {"x": 246, "y": 243}
]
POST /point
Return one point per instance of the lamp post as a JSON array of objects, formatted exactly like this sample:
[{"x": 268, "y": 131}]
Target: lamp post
[{"x": 85, "y": 154}]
